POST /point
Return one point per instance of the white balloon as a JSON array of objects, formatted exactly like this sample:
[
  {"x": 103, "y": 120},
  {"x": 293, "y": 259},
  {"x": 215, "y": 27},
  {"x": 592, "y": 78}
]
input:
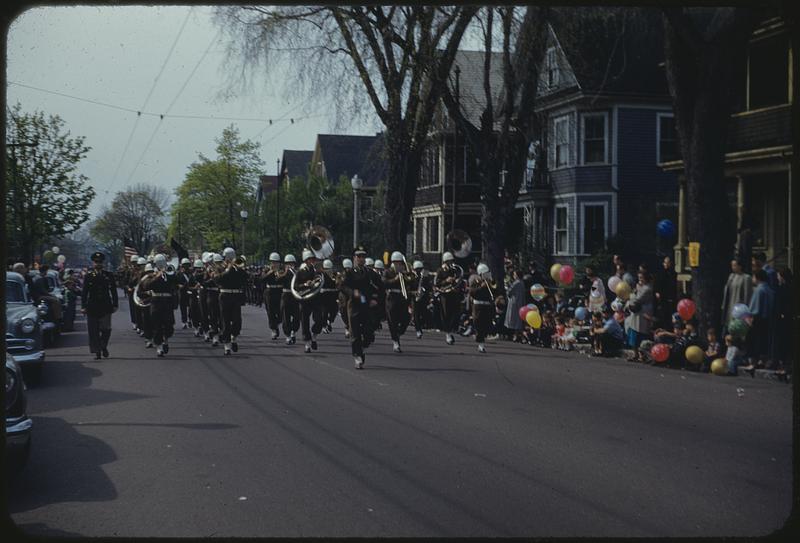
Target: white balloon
[
  {"x": 61, "y": 259},
  {"x": 55, "y": 249}
]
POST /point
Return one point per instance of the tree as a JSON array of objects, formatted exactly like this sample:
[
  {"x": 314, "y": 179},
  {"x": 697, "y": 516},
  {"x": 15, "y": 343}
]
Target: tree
[
  {"x": 47, "y": 198},
  {"x": 138, "y": 214},
  {"x": 402, "y": 55},
  {"x": 702, "y": 48},
  {"x": 215, "y": 191}
]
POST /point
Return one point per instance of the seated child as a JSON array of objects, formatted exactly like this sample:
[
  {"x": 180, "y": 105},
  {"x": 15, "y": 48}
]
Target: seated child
[
  {"x": 713, "y": 350},
  {"x": 734, "y": 354}
]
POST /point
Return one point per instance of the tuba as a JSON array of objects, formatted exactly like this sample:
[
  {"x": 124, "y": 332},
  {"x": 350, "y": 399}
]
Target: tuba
[
  {"x": 308, "y": 292},
  {"x": 320, "y": 241},
  {"x": 138, "y": 299},
  {"x": 459, "y": 243}
]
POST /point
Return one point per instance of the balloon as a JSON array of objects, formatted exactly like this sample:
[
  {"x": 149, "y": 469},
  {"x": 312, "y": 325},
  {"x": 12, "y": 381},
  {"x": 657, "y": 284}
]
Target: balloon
[
  {"x": 686, "y": 309},
  {"x": 740, "y": 311},
  {"x": 719, "y": 366},
  {"x": 628, "y": 278},
  {"x": 534, "y": 319},
  {"x": 623, "y": 290},
  {"x": 55, "y": 249},
  {"x": 533, "y": 307},
  {"x": 61, "y": 259},
  {"x": 666, "y": 229},
  {"x": 581, "y": 314},
  {"x": 694, "y": 354},
  {"x": 537, "y": 292},
  {"x": 523, "y": 311},
  {"x": 566, "y": 274},
  {"x": 660, "y": 352},
  {"x": 613, "y": 281},
  {"x": 555, "y": 270},
  {"x": 48, "y": 256},
  {"x": 738, "y": 328},
  {"x": 617, "y": 305},
  {"x": 619, "y": 316}
]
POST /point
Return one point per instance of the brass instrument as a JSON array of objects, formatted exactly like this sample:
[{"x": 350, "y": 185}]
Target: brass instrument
[
  {"x": 140, "y": 298},
  {"x": 452, "y": 286},
  {"x": 320, "y": 241},
  {"x": 316, "y": 286},
  {"x": 459, "y": 243}
]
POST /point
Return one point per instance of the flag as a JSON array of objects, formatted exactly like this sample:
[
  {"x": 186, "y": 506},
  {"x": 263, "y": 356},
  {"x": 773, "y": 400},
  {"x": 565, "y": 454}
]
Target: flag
[
  {"x": 130, "y": 250},
  {"x": 178, "y": 248}
]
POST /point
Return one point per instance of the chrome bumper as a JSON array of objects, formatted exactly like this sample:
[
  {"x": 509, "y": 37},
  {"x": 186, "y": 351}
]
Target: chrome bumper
[
  {"x": 18, "y": 431},
  {"x": 27, "y": 358}
]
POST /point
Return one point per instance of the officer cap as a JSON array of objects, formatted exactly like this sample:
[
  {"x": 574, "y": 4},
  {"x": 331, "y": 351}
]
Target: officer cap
[
  {"x": 98, "y": 257},
  {"x": 359, "y": 251}
]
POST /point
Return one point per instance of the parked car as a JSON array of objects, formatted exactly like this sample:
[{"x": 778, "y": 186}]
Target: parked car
[
  {"x": 24, "y": 326},
  {"x": 52, "y": 327},
  {"x": 18, "y": 424}
]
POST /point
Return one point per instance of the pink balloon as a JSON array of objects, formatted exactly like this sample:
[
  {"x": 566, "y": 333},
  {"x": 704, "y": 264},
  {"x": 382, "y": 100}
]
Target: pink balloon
[
  {"x": 686, "y": 309},
  {"x": 523, "y": 311},
  {"x": 613, "y": 281},
  {"x": 566, "y": 274}
]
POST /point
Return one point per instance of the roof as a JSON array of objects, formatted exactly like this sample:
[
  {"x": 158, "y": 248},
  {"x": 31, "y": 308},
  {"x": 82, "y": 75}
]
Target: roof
[
  {"x": 345, "y": 155},
  {"x": 470, "y": 82},
  {"x": 295, "y": 163}
]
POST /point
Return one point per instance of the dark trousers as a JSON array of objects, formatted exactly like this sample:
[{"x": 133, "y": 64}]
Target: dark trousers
[
  {"x": 132, "y": 307},
  {"x": 397, "y": 316},
  {"x": 195, "y": 314},
  {"x": 145, "y": 322},
  {"x": 330, "y": 306},
  {"x": 309, "y": 309},
  {"x": 290, "y": 314},
  {"x": 420, "y": 310},
  {"x": 99, "y": 331},
  {"x": 361, "y": 334},
  {"x": 212, "y": 320},
  {"x": 162, "y": 320},
  {"x": 230, "y": 306},
  {"x": 183, "y": 303},
  {"x": 273, "y": 307},
  {"x": 451, "y": 311},
  {"x": 482, "y": 321},
  {"x": 342, "y": 305}
]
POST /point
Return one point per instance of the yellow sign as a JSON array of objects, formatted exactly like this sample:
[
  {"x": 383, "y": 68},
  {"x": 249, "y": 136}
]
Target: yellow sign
[
  {"x": 694, "y": 254},
  {"x": 386, "y": 258}
]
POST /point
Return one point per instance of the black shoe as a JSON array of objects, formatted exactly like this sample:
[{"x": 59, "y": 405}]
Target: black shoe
[
  {"x": 235, "y": 346},
  {"x": 314, "y": 345},
  {"x": 105, "y": 353},
  {"x": 97, "y": 356},
  {"x": 165, "y": 347},
  {"x": 293, "y": 339}
]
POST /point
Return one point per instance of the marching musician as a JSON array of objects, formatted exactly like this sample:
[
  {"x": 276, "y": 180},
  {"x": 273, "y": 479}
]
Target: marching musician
[
  {"x": 311, "y": 306},
  {"x": 448, "y": 284},
  {"x": 358, "y": 290},
  {"x": 272, "y": 287},
  {"x": 290, "y": 310},
  {"x": 98, "y": 301},
  {"x": 377, "y": 310},
  {"x": 481, "y": 292},
  {"x": 202, "y": 296},
  {"x": 131, "y": 278},
  {"x": 422, "y": 296},
  {"x": 183, "y": 294},
  {"x": 162, "y": 289},
  {"x": 143, "y": 313},
  {"x": 211, "y": 290},
  {"x": 347, "y": 264},
  {"x": 397, "y": 282},
  {"x": 232, "y": 282},
  {"x": 328, "y": 296},
  {"x": 193, "y": 289}
]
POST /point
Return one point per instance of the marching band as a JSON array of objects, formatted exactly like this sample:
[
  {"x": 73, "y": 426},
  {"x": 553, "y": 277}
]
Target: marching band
[{"x": 211, "y": 290}]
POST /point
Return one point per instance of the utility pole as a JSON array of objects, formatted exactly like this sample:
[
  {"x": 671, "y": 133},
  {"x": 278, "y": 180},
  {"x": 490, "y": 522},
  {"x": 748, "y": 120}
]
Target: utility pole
[
  {"x": 278, "y": 206},
  {"x": 455, "y": 153}
]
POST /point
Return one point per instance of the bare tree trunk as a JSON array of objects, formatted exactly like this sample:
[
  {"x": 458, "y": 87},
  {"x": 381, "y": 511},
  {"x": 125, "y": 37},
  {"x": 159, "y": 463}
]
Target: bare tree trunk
[{"x": 403, "y": 163}]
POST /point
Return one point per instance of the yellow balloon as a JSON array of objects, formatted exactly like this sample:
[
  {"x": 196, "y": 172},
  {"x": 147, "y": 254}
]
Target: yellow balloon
[
  {"x": 555, "y": 270},
  {"x": 623, "y": 290},
  {"x": 534, "y": 319},
  {"x": 719, "y": 366},
  {"x": 694, "y": 354}
]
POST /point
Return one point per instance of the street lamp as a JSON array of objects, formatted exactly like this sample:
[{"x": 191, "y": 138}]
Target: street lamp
[
  {"x": 357, "y": 184},
  {"x": 243, "y": 215}
]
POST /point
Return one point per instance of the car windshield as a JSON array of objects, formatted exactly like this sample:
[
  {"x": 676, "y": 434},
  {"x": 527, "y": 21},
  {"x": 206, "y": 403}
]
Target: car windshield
[{"x": 15, "y": 292}]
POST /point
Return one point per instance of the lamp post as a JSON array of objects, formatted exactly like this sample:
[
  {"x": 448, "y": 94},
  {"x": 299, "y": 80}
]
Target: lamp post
[
  {"x": 357, "y": 184},
  {"x": 243, "y": 215},
  {"x": 278, "y": 206}
]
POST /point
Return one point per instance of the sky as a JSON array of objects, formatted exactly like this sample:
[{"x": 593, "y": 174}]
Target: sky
[{"x": 97, "y": 66}]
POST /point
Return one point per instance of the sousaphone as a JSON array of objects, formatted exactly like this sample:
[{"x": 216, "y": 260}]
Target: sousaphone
[{"x": 320, "y": 241}]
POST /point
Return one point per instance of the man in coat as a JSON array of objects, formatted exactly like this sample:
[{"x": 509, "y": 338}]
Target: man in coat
[{"x": 98, "y": 301}]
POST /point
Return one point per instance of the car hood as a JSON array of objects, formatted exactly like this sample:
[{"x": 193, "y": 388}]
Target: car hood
[{"x": 15, "y": 312}]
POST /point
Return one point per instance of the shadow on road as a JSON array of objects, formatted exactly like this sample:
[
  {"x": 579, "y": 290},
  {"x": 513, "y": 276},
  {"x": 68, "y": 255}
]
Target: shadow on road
[
  {"x": 398, "y": 368},
  {"x": 71, "y": 472},
  {"x": 188, "y": 426},
  {"x": 39, "y": 530}
]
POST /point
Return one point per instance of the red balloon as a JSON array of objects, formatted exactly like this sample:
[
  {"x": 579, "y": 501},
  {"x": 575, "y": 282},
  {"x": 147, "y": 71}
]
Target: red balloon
[
  {"x": 566, "y": 274},
  {"x": 660, "y": 352},
  {"x": 686, "y": 309},
  {"x": 523, "y": 311}
]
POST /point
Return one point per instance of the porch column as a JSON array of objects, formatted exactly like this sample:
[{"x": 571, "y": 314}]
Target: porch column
[
  {"x": 791, "y": 241},
  {"x": 680, "y": 245},
  {"x": 739, "y": 202}
]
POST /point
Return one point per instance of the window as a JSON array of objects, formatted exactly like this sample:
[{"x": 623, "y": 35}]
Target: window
[
  {"x": 15, "y": 292},
  {"x": 551, "y": 62},
  {"x": 429, "y": 170},
  {"x": 768, "y": 72},
  {"x": 667, "y": 139},
  {"x": 594, "y": 138},
  {"x": 561, "y": 230},
  {"x": 561, "y": 133},
  {"x": 419, "y": 234},
  {"x": 594, "y": 228},
  {"x": 433, "y": 235}
]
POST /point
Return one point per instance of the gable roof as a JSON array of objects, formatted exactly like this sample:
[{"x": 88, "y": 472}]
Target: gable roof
[
  {"x": 295, "y": 163},
  {"x": 472, "y": 96},
  {"x": 349, "y": 155}
]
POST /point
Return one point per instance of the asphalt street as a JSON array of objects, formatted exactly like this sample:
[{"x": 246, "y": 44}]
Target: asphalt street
[{"x": 436, "y": 441}]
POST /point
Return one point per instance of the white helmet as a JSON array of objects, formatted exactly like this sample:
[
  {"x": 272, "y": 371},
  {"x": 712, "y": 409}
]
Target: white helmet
[
  {"x": 217, "y": 257},
  {"x": 274, "y": 257},
  {"x": 185, "y": 261},
  {"x": 418, "y": 265},
  {"x": 229, "y": 253},
  {"x": 148, "y": 267},
  {"x": 397, "y": 256},
  {"x": 134, "y": 258},
  {"x": 289, "y": 258},
  {"x": 327, "y": 264},
  {"x": 448, "y": 256},
  {"x": 482, "y": 268},
  {"x": 347, "y": 263},
  {"x": 206, "y": 256},
  {"x": 160, "y": 261},
  {"x": 369, "y": 261},
  {"x": 198, "y": 263},
  {"x": 379, "y": 265},
  {"x": 142, "y": 261},
  {"x": 307, "y": 254}
]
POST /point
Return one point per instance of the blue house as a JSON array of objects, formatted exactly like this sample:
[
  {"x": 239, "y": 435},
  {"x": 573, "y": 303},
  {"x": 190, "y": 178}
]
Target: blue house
[{"x": 606, "y": 125}]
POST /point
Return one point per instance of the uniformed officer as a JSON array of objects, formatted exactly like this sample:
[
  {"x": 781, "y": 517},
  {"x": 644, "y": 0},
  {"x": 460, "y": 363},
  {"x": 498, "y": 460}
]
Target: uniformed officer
[
  {"x": 347, "y": 264},
  {"x": 98, "y": 301},
  {"x": 358, "y": 290},
  {"x": 448, "y": 284},
  {"x": 328, "y": 296},
  {"x": 481, "y": 291},
  {"x": 272, "y": 287},
  {"x": 162, "y": 289},
  {"x": 232, "y": 282},
  {"x": 422, "y": 296},
  {"x": 398, "y": 285},
  {"x": 184, "y": 299},
  {"x": 290, "y": 310},
  {"x": 309, "y": 307}
]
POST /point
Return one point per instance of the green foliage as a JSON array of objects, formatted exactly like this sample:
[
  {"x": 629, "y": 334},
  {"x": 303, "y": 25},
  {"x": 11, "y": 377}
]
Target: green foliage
[
  {"x": 46, "y": 195},
  {"x": 137, "y": 213}
]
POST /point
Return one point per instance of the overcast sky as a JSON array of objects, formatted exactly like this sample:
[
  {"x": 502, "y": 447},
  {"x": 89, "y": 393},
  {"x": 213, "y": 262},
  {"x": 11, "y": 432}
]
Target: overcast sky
[{"x": 114, "y": 55}]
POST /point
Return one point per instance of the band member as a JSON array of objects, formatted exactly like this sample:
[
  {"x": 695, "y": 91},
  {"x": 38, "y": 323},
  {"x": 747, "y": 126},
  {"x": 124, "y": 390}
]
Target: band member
[
  {"x": 290, "y": 310},
  {"x": 232, "y": 282},
  {"x": 377, "y": 311},
  {"x": 357, "y": 287},
  {"x": 211, "y": 290},
  {"x": 143, "y": 313},
  {"x": 448, "y": 284},
  {"x": 202, "y": 295},
  {"x": 184, "y": 299},
  {"x": 193, "y": 290},
  {"x": 308, "y": 307},
  {"x": 98, "y": 302},
  {"x": 397, "y": 283},
  {"x": 162, "y": 289},
  {"x": 328, "y": 296},
  {"x": 131, "y": 278},
  {"x": 347, "y": 264},
  {"x": 272, "y": 287},
  {"x": 422, "y": 296},
  {"x": 481, "y": 291}
]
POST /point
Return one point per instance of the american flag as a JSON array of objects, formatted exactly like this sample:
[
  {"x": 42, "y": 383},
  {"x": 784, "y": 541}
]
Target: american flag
[{"x": 129, "y": 249}]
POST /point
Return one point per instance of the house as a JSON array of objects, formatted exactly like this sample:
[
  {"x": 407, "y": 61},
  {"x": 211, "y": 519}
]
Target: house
[
  {"x": 335, "y": 156},
  {"x": 295, "y": 164},
  {"x": 607, "y": 124},
  {"x": 758, "y": 159}
]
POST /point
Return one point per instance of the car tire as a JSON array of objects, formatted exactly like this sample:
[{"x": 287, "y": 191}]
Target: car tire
[
  {"x": 32, "y": 375},
  {"x": 18, "y": 459}
]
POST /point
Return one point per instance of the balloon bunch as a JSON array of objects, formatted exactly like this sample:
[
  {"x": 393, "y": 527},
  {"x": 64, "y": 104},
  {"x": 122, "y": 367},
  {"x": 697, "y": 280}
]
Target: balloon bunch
[
  {"x": 562, "y": 275},
  {"x": 740, "y": 321},
  {"x": 530, "y": 315}
]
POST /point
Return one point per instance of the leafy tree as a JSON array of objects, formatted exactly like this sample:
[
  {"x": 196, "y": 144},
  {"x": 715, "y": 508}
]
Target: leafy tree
[{"x": 47, "y": 198}]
